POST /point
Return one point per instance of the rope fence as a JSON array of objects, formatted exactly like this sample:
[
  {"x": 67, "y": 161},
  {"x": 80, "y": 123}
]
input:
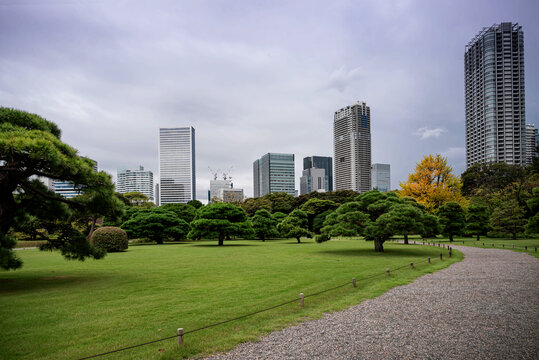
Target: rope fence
[
  {"x": 181, "y": 333},
  {"x": 493, "y": 245}
]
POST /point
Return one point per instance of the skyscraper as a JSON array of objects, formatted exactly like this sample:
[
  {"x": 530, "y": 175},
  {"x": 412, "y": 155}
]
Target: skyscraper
[
  {"x": 494, "y": 86},
  {"x": 352, "y": 147},
  {"x": 317, "y": 174},
  {"x": 381, "y": 177},
  {"x": 274, "y": 173},
  {"x": 531, "y": 139},
  {"x": 136, "y": 180},
  {"x": 177, "y": 182}
]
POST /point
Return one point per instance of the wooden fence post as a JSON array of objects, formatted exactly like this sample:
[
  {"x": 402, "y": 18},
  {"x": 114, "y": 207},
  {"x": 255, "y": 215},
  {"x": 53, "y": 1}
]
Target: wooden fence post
[
  {"x": 429, "y": 259},
  {"x": 301, "y": 297},
  {"x": 354, "y": 282},
  {"x": 440, "y": 256},
  {"x": 180, "y": 337}
]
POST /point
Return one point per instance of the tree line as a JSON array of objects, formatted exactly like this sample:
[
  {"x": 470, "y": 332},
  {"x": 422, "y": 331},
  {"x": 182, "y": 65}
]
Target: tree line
[{"x": 487, "y": 199}]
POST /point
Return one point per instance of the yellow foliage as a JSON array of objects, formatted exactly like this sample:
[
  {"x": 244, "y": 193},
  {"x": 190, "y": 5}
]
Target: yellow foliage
[{"x": 433, "y": 184}]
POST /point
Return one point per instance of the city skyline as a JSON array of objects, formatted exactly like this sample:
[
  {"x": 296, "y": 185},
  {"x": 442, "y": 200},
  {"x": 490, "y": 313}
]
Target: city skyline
[{"x": 255, "y": 78}]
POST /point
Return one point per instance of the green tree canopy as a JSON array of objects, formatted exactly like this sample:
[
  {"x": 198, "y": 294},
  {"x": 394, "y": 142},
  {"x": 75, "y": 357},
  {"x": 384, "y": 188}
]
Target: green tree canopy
[
  {"x": 156, "y": 224},
  {"x": 219, "y": 221},
  {"x": 136, "y": 198},
  {"x": 195, "y": 203},
  {"x": 477, "y": 220},
  {"x": 347, "y": 220},
  {"x": 431, "y": 226},
  {"x": 508, "y": 218},
  {"x": 533, "y": 205},
  {"x": 490, "y": 177},
  {"x": 264, "y": 225},
  {"x": 405, "y": 219},
  {"x": 315, "y": 207},
  {"x": 452, "y": 219},
  {"x": 185, "y": 212},
  {"x": 252, "y": 205},
  {"x": 31, "y": 146},
  {"x": 295, "y": 225}
]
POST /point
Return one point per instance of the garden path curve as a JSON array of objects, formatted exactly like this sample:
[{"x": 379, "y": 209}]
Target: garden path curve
[{"x": 485, "y": 307}]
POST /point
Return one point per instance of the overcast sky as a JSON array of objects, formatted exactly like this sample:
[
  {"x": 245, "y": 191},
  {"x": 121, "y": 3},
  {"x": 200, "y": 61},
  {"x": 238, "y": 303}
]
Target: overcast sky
[{"x": 251, "y": 77}]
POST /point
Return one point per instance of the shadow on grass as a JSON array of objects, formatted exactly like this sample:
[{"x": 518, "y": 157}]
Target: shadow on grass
[
  {"x": 225, "y": 245},
  {"x": 389, "y": 252},
  {"x": 31, "y": 284}
]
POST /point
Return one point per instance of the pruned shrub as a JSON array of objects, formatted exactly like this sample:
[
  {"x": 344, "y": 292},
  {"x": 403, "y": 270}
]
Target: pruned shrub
[
  {"x": 321, "y": 238},
  {"x": 110, "y": 238}
]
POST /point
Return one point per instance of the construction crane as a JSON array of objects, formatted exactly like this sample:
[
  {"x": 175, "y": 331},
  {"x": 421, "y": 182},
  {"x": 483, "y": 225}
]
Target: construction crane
[
  {"x": 226, "y": 173},
  {"x": 215, "y": 173}
]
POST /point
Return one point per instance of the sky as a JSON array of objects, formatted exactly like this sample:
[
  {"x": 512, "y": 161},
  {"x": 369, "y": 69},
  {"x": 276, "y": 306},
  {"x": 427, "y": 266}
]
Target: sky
[{"x": 251, "y": 77}]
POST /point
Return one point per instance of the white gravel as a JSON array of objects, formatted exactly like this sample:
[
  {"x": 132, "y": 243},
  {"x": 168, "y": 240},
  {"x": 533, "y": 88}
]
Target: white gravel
[{"x": 485, "y": 307}]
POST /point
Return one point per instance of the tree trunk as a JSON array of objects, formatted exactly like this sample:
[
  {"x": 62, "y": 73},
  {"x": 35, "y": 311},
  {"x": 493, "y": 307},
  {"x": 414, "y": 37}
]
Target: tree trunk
[
  {"x": 299, "y": 242},
  {"x": 92, "y": 228},
  {"x": 221, "y": 239},
  {"x": 406, "y": 239},
  {"x": 514, "y": 236},
  {"x": 450, "y": 237},
  {"x": 378, "y": 246},
  {"x": 477, "y": 237}
]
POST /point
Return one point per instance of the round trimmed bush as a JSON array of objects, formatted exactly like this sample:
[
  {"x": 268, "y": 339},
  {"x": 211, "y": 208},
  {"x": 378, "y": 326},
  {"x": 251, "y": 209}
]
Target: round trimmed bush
[{"x": 110, "y": 238}]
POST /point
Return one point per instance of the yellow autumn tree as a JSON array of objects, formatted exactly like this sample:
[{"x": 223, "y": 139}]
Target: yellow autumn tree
[{"x": 433, "y": 184}]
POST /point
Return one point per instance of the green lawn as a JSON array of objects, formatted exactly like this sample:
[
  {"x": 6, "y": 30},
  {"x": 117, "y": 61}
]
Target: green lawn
[
  {"x": 507, "y": 244},
  {"x": 58, "y": 309}
]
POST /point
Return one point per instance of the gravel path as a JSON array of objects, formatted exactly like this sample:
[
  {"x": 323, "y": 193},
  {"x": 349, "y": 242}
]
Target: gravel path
[{"x": 485, "y": 307}]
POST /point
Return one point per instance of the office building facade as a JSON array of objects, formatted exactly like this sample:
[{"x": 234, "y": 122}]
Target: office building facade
[
  {"x": 352, "y": 148},
  {"x": 177, "y": 179},
  {"x": 381, "y": 177},
  {"x": 494, "y": 91},
  {"x": 135, "y": 180},
  {"x": 318, "y": 162},
  {"x": 274, "y": 173},
  {"x": 312, "y": 179}
]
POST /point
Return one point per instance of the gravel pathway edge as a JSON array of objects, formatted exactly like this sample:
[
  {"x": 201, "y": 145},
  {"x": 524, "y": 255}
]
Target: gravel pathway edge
[{"x": 484, "y": 307}]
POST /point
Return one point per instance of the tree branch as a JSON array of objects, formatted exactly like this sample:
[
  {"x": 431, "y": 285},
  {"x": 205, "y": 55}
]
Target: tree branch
[{"x": 30, "y": 188}]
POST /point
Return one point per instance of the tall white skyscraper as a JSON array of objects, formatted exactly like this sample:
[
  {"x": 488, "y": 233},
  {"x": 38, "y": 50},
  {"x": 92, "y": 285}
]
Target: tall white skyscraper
[
  {"x": 177, "y": 180},
  {"x": 494, "y": 84},
  {"x": 135, "y": 180},
  {"x": 352, "y": 148}
]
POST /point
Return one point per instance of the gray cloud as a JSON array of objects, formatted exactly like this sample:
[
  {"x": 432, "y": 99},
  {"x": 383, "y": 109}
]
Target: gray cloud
[{"x": 426, "y": 133}]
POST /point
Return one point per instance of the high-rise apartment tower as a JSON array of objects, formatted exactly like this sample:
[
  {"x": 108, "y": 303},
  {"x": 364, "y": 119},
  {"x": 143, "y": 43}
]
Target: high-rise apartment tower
[
  {"x": 494, "y": 86},
  {"x": 177, "y": 181},
  {"x": 274, "y": 173},
  {"x": 352, "y": 147},
  {"x": 135, "y": 180}
]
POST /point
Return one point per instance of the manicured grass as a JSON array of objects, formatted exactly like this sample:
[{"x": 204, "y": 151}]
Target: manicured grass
[
  {"x": 507, "y": 244},
  {"x": 59, "y": 309}
]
